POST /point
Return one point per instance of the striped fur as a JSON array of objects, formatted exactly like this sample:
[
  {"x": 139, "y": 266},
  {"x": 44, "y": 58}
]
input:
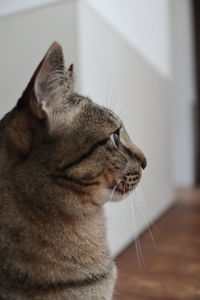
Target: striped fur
[{"x": 61, "y": 155}]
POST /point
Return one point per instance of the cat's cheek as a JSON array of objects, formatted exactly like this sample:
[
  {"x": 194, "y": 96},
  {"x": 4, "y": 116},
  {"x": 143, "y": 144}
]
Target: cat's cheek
[
  {"x": 100, "y": 197},
  {"x": 109, "y": 194}
]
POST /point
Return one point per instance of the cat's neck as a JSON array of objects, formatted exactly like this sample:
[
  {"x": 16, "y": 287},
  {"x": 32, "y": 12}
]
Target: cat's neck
[{"x": 65, "y": 245}]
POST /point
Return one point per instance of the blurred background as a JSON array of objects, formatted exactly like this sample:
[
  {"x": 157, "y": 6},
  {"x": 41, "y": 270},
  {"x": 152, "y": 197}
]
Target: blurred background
[{"x": 141, "y": 59}]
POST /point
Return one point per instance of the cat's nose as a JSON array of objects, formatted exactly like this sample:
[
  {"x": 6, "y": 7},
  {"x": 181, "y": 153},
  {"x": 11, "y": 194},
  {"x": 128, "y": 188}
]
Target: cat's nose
[
  {"x": 140, "y": 156},
  {"x": 144, "y": 163}
]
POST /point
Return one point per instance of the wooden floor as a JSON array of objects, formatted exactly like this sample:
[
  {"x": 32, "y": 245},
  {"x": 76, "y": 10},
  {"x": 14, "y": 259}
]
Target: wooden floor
[{"x": 173, "y": 271}]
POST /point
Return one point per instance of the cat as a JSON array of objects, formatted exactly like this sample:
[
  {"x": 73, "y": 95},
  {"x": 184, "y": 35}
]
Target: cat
[{"x": 61, "y": 158}]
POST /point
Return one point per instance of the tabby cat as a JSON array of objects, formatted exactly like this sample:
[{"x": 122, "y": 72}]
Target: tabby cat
[{"x": 61, "y": 158}]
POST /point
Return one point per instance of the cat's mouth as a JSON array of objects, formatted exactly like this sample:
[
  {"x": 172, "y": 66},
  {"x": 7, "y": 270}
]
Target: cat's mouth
[
  {"x": 125, "y": 185},
  {"x": 118, "y": 193},
  {"x": 122, "y": 191}
]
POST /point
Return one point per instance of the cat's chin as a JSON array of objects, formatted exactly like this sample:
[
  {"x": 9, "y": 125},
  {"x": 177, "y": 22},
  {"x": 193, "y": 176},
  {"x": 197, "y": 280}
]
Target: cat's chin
[{"x": 113, "y": 195}]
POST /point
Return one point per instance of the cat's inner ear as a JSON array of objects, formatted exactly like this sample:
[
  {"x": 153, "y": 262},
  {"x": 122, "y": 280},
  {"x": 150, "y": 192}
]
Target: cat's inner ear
[{"x": 49, "y": 83}]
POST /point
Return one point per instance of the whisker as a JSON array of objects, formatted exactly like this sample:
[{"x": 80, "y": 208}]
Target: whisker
[
  {"x": 122, "y": 113},
  {"x": 111, "y": 196},
  {"x": 142, "y": 263},
  {"x": 144, "y": 204},
  {"x": 139, "y": 244},
  {"x": 113, "y": 99},
  {"x": 114, "y": 188},
  {"x": 108, "y": 102},
  {"x": 136, "y": 242},
  {"x": 147, "y": 225}
]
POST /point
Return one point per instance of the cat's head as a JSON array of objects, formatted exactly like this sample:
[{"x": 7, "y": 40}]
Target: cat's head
[{"x": 81, "y": 147}]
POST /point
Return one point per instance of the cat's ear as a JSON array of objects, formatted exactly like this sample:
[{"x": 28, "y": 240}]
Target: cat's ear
[
  {"x": 48, "y": 83},
  {"x": 70, "y": 78},
  {"x": 42, "y": 95}
]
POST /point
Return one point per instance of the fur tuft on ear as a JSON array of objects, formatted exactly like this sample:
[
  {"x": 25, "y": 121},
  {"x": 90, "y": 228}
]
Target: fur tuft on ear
[
  {"x": 70, "y": 78},
  {"x": 49, "y": 84}
]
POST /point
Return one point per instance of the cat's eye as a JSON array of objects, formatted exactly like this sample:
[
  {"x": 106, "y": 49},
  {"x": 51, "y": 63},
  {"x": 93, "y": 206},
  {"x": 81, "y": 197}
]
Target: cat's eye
[{"x": 115, "y": 138}]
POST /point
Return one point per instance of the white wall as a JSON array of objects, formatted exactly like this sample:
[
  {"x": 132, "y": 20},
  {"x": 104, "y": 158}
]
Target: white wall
[
  {"x": 113, "y": 72},
  {"x": 8, "y": 7},
  {"x": 145, "y": 24},
  {"x": 183, "y": 92},
  {"x": 25, "y": 37}
]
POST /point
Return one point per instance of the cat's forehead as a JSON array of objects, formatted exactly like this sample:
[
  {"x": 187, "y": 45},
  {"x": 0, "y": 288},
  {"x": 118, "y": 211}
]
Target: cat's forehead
[
  {"x": 79, "y": 110},
  {"x": 88, "y": 105}
]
